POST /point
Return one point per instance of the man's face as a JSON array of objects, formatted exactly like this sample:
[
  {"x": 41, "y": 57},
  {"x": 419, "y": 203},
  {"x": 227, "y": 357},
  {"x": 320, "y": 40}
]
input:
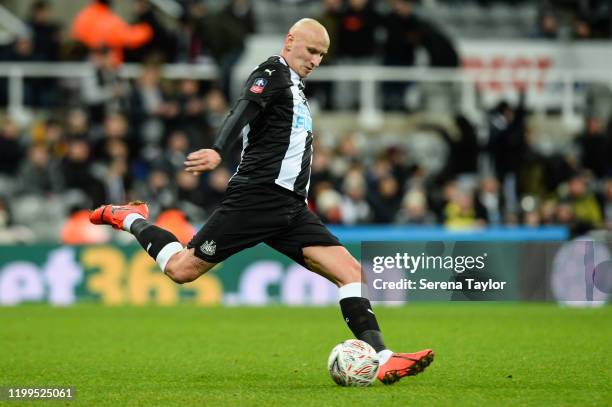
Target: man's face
[{"x": 306, "y": 50}]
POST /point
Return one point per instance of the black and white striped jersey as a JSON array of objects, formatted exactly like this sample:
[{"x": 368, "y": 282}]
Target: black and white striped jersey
[{"x": 277, "y": 145}]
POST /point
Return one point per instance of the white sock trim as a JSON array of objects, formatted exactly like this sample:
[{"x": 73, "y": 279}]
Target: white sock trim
[
  {"x": 129, "y": 219},
  {"x": 384, "y": 355},
  {"x": 353, "y": 290},
  {"x": 166, "y": 252}
]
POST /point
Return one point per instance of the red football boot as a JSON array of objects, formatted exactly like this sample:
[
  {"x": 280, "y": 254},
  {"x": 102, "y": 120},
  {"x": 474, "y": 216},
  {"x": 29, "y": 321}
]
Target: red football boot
[
  {"x": 114, "y": 215},
  {"x": 404, "y": 364}
]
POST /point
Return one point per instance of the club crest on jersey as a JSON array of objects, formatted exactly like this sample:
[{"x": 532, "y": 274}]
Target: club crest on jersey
[
  {"x": 209, "y": 247},
  {"x": 258, "y": 85}
]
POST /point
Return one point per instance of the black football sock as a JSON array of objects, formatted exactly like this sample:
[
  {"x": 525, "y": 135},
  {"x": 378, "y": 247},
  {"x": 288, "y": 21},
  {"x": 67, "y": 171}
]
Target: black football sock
[
  {"x": 157, "y": 242},
  {"x": 360, "y": 318}
]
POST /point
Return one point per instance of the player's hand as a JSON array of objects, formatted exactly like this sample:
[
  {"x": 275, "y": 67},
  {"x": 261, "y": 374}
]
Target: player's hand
[{"x": 202, "y": 160}]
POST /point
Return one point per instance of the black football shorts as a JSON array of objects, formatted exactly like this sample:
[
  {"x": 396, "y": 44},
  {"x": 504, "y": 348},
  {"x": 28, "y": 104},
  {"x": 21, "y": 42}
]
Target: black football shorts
[{"x": 255, "y": 213}]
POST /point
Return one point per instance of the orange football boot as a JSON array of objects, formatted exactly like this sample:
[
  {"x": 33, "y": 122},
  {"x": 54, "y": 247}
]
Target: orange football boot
[
  {"x": 404, "y": 364},
  {"x": 114, "y": 215}
]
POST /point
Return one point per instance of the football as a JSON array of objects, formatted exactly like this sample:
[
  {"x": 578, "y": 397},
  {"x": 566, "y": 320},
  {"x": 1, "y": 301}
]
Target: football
[{"x": 353, "y": 363}]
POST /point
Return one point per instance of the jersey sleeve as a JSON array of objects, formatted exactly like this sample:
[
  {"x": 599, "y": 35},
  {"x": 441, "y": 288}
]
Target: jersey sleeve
[{"x": 265, "y": 83}]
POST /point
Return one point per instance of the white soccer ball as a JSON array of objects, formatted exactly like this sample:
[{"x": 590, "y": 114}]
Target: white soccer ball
[{"x": 353, "y": 363}]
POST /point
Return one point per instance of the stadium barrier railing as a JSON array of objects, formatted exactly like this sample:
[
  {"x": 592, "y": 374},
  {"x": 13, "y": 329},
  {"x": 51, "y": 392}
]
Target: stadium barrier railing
[{"x": 565, "y": 83}]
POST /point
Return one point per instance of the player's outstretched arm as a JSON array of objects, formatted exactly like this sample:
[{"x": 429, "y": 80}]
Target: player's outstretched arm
[{"x": 243, "y": 112}]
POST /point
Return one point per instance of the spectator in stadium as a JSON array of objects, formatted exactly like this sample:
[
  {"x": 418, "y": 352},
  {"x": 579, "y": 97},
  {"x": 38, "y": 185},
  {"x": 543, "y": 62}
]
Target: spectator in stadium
[
  {"x": 115, "y": 141},
  {"x": 354, "y": 208},
  {"x": 607, "y": 203},
  {"x": 414, "y": 209},
  {"x": 507, "y": 146},
  {"x": 594, "y": 148},
  {"x": 45, "y": 33},
  {"x": 189, "y": 46},
  {"x": 533, "y": 175},
  {"x": 46, "y": 47},
  {"x": 547, "y": 211},
  {"x": 564, "y": 214},
  {"x": 385, "y": 198},
  {"x": 582, "y": 29},
  {"x": 531, "y": 219},
  {"x": 440, "y": 196},
  {"x": 321, "y": 173},
  {"x": 439, "y": 46},
  {"x": 330, "y": 19},
  {"x": 116, "y": 176},
  {"x": 547, "y": 25},
  {"x": 328, "y": 204},
  {"x": 242, "y": 12},
  {"x": 5, "y": 214},
  {"x": 489, "y": 201},
  {"x": 52, "y": 134},
  {"x": 162, "y": 45},
  {"x": 190, "y": 195},
  {"x": 466, "y": 150},
  {"x": 380, "y": 168},
  {"x": 223, "y": 35},
  {"x": 11, "y": 233},
  {"x": 558, "y": 170},
  {"x": 98, "y": 26},
  {"x": 584, "y": 204},
  {"x": 441, "y": 52},
  {"x": 174, "y": 154},
  {"x": 22, "y": 50},
  {"x": 150, "y": 107},
  {"x": 215, "y": 110},
  {"x": 77, "y": 124},
  {"x": 356, "y": 45},
  {"x": 103, "y": 90},
  {"x": 463, "y": 148},
  {"x": 398, "y": 50},
  {"x": 440, "y": 49},
  {"x": 322, "y": 92},
  {"x": 357, "y": 31},
  {"x": 40, "y": 174},
  {"x": 592, "y": 19},
  {"x": 346, "y": 154},
  {"x": 159, "y": 191},
  {"x": 78, "y": 173},
  {"x": 214, "y": 188},
  {"x": 401, "y": 167},
  {"x": 190, "y": 117},
  {"x": 460, "y": 212},
  {"x": 12, "y": 147}
]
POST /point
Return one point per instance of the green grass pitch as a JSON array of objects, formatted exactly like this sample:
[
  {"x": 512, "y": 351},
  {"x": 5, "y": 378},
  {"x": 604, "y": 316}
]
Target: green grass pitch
[{"x": 486, "y": 354}]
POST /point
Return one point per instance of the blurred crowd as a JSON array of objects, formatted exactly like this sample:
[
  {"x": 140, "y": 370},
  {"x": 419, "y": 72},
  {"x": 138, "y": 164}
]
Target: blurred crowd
[
  {"x": 578, "y": 20},
  {"x": 359, "y": 32},
  {"x": 195, "y": 33},
  {"x": 362, "y": 32},
  {"x": 107, "y": 139},
  {"x": 57, "y": 167},
  {"x": 503, "y": 181}
]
